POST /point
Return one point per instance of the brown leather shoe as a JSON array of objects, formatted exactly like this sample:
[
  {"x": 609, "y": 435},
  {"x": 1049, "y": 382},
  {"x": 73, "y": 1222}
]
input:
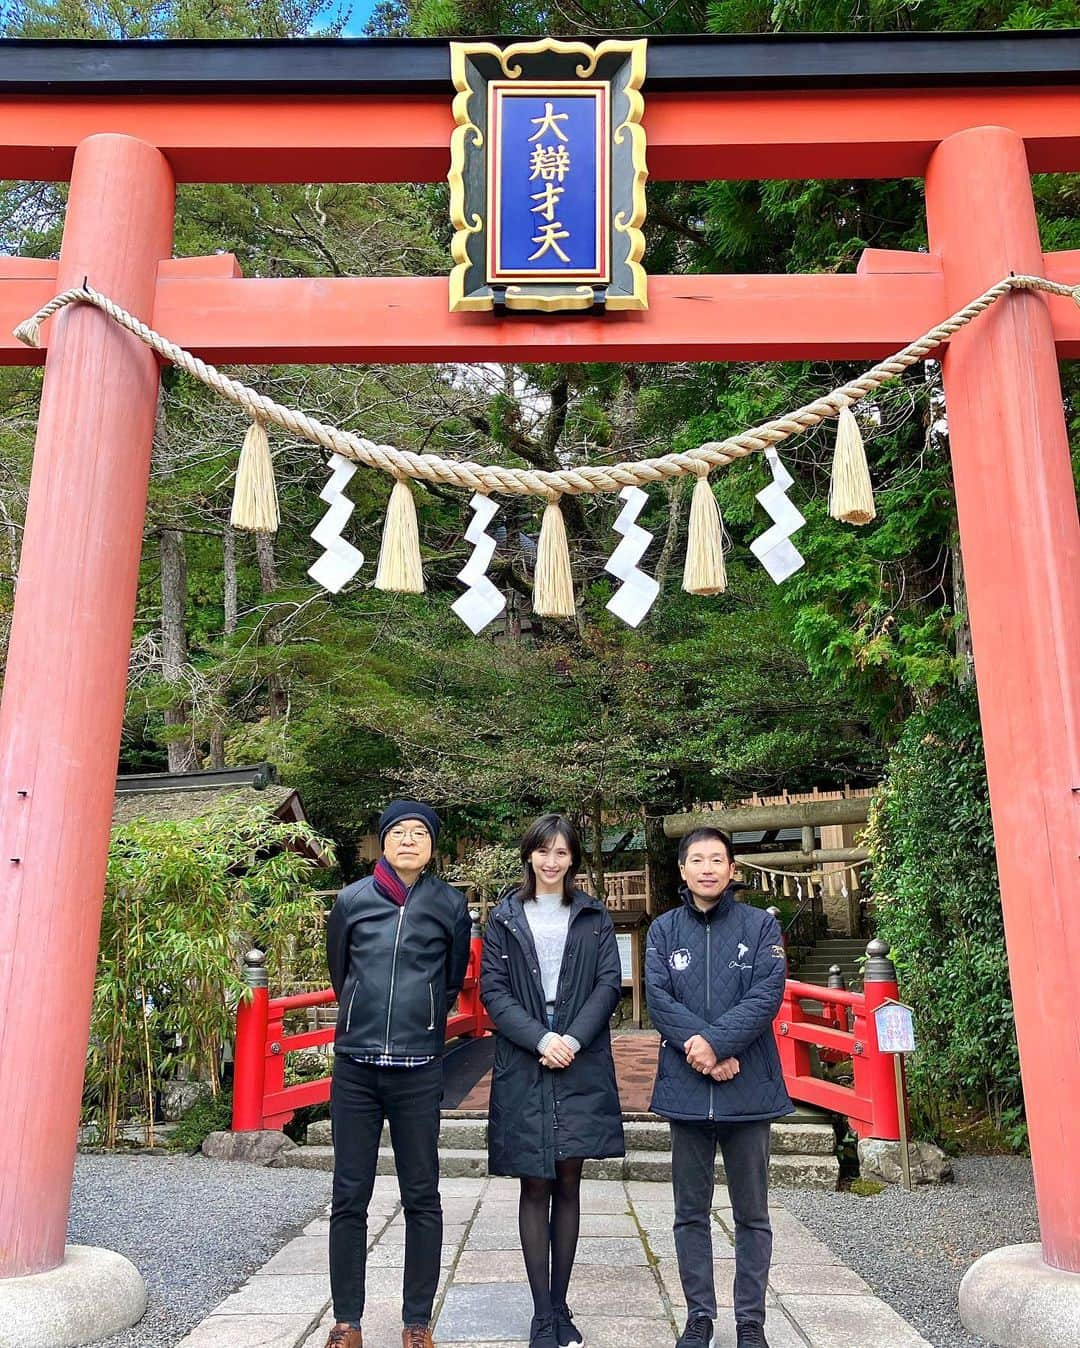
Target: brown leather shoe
[
  {"x": 416, "y": 1336},
  {"x": 344, "y": 1336}
]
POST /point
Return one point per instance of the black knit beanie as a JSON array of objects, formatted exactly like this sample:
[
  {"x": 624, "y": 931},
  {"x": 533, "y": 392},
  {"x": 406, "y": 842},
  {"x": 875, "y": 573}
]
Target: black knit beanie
[{"x": 398, "y": 810}]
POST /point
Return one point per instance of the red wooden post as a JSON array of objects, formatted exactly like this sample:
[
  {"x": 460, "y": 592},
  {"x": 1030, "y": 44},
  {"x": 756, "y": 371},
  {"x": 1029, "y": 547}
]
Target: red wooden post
[
  {"x": 249, "y": 1051},
  {"x": 471, "y": 1002},
  {"x": 794, "y": 1053},
  {"x": 875, "y": 1076},
  {"x": 1021, "y": 544},
  {"x": 273, "y": 1064},
  {"x": 64, "y": 691}
]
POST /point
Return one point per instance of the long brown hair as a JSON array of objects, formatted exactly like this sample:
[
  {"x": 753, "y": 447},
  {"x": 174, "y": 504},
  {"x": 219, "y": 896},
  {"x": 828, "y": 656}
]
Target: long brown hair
[{"x": 542, "y": 833}]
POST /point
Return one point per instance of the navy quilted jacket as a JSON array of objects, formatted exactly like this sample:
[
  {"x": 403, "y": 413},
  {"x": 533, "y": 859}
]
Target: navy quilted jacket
[{"x": 720, "y": 975}]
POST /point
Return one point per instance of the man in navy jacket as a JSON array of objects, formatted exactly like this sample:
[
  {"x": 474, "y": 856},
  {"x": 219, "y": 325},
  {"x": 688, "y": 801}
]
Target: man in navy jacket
[{"x": 714, "y": 974}]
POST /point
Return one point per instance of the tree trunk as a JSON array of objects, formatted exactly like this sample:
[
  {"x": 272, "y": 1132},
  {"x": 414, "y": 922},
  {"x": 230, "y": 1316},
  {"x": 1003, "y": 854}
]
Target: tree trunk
[
  {"x": 675, "y": 492},
  {"x": 228, "y": 566},
  {"x": 217, "y": 747},
  {"x": 264, "y": 551},
  {"x": 937, "y": 435},
  {"x": 174, "y": 648},
  {"x": 964, "y": 652},
  {"x": 268, "y": 583},
  {"x": 661, "y": 857},
  {"x": 598, "y": 846}
]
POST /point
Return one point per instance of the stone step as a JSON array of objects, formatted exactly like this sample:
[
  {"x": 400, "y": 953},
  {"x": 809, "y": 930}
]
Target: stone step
[
  {"x": 790, "y": 1137},
  {"x": 798, "y": 1172},
  {"x": 805, "y": 1172}
]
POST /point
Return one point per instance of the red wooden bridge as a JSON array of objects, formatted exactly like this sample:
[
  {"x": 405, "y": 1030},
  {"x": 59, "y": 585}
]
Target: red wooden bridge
[{"x": 842, "y": 1029}]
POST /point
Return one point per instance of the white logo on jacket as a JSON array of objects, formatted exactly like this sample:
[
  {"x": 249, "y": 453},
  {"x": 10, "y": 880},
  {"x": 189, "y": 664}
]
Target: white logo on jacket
[
  {"x": 680, "y": 959},
  {"x": 737, "y": 963}
]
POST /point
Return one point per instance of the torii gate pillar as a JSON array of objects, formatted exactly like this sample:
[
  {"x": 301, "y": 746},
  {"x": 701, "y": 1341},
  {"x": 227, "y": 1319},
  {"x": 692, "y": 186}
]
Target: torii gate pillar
[
  {"x": 63, "y": 703},
  {"x": 1021, "y": 546}
]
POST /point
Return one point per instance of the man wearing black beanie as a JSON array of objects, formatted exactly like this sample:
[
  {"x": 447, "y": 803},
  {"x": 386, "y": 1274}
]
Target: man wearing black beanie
[{"x": 397, "y": 945}]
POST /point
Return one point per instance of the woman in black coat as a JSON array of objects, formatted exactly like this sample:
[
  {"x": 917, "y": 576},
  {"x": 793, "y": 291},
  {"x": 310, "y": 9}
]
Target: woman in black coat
[{"x": 550, "y": 979}]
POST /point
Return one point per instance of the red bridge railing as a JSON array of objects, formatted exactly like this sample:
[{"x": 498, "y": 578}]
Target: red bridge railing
[
  {"x": 261, "y": 1098},
  {"x": 843, "y": 1029}
]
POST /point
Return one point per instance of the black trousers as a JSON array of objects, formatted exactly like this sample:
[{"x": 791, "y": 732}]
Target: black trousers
[
  {"x": 362, "y": 1096},
  {"x": 745, "y": 1148}
]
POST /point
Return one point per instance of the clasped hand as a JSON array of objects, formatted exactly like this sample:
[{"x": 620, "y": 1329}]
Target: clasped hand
[
  {"x": 557, "y": 1054},
  {"x": 700, "y": 1056}
]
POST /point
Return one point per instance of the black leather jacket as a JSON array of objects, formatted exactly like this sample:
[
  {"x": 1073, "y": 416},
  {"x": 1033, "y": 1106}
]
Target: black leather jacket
[{"x": 396, "y": 971}]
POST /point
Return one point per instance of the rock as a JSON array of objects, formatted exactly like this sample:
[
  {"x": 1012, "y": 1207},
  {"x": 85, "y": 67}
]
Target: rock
[
  {"x": 318, "y": 1134},
  {"x": 259, "y": 1147},
  {"x": 880, "y": 1160},
  {"x": 177, "y": 1097}
]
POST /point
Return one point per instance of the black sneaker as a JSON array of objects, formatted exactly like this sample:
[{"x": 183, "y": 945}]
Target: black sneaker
[
  {"x": 749, "y": 1334},
  {"x": 542, "y": 1332},
  {"x": 567, "y": 1334},
  {"x": 697, "y": 1334}
]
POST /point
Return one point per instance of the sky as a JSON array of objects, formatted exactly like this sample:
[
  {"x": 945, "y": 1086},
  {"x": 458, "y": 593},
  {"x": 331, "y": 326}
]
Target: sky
[{"x": 359, "y": 13}]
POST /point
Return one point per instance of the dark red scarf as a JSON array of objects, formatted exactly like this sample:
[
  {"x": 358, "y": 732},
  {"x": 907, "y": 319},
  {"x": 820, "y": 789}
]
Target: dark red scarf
[{"x": 388, "y": 883}]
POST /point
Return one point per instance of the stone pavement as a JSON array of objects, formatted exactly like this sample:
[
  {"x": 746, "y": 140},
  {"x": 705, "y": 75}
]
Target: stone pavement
[{"x": 625, "y": 1292}]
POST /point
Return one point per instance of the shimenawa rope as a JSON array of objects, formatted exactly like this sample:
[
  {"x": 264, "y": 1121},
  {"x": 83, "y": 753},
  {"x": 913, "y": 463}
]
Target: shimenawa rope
[{"x": 534, "y": 482}]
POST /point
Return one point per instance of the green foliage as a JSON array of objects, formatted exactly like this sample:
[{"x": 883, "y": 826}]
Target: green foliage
[
  {"x": 182, "y": 902},
  {"x": 937, "y": 903},
  {"x": 301, "y": 1068},
  {"x": 209, "y": 1114},
  {"x": 486, "y": 871}
]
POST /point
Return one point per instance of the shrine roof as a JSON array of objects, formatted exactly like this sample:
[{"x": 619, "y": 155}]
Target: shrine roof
[{"x": 152, "y": 798}]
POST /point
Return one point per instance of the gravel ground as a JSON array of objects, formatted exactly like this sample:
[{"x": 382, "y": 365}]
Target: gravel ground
[
  {"x": 197, "y": 1228},
  {"x": 913, "y": 1249},
  {"x": 194, "y": 1228}
]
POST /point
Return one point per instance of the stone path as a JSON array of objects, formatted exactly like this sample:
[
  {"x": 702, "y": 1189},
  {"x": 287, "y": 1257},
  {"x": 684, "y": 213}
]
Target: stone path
[{"x": 625, "y": 1292}]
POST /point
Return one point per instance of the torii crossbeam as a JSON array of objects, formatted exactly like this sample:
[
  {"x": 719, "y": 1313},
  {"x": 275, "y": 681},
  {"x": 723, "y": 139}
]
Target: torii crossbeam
[{"x": 973, "y": 115}]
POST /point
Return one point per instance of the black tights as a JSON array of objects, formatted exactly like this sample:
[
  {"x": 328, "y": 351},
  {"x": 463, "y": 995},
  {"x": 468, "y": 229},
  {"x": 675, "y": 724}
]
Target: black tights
[{"x": 549, "y": 1213}]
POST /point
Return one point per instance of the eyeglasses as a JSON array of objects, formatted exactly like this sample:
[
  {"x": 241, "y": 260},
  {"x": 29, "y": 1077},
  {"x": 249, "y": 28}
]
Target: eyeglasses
[{"x": 415, "y": 834}]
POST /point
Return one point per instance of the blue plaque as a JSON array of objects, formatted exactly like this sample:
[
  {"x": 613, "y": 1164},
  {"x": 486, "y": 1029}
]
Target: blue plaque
[{"x": 547, "y": 177}]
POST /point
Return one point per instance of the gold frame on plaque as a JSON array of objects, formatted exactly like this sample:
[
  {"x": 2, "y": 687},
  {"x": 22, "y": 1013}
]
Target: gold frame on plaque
[{"x": 468, "y": 217}]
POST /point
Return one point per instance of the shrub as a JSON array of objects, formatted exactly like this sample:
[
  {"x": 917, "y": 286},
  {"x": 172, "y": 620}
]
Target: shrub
[
  {"x": 938, "y": 905},
  {"x": 182, "y": 901},
  {"x": 211, "y": 1114}
]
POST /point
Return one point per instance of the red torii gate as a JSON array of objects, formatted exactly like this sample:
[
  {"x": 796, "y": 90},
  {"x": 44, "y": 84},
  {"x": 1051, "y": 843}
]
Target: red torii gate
[{"x": 973, "y": 115}]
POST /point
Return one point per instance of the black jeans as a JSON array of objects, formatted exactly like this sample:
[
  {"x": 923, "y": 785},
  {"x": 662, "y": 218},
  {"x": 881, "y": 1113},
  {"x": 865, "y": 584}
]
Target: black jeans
[
  {"x": 745, "y": 1149},
  {"x": 362, "y": 1096}
]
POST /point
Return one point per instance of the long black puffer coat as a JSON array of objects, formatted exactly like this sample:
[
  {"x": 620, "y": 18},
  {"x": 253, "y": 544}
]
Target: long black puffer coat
[{"x": 541, "y": 1115}]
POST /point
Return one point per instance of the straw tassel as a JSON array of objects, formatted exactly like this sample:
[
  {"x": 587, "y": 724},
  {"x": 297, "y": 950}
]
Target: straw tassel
[
  {"x": 255, "y": 502},
  {"x": 553, "y": 590},
  {"x": 29, "y": 332},
  {"x": 400, "y": 567},
  {"x": 704, "y": 571},
  {"x": 851, "y": 496}
]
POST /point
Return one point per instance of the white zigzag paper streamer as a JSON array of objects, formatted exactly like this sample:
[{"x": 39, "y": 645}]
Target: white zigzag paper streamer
[
  {"x": 774, "y": 549},
  {"x": 341, "y": 561},
  {"x": 637, "y": 593},
  {"x": 481, "y": 602}
]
